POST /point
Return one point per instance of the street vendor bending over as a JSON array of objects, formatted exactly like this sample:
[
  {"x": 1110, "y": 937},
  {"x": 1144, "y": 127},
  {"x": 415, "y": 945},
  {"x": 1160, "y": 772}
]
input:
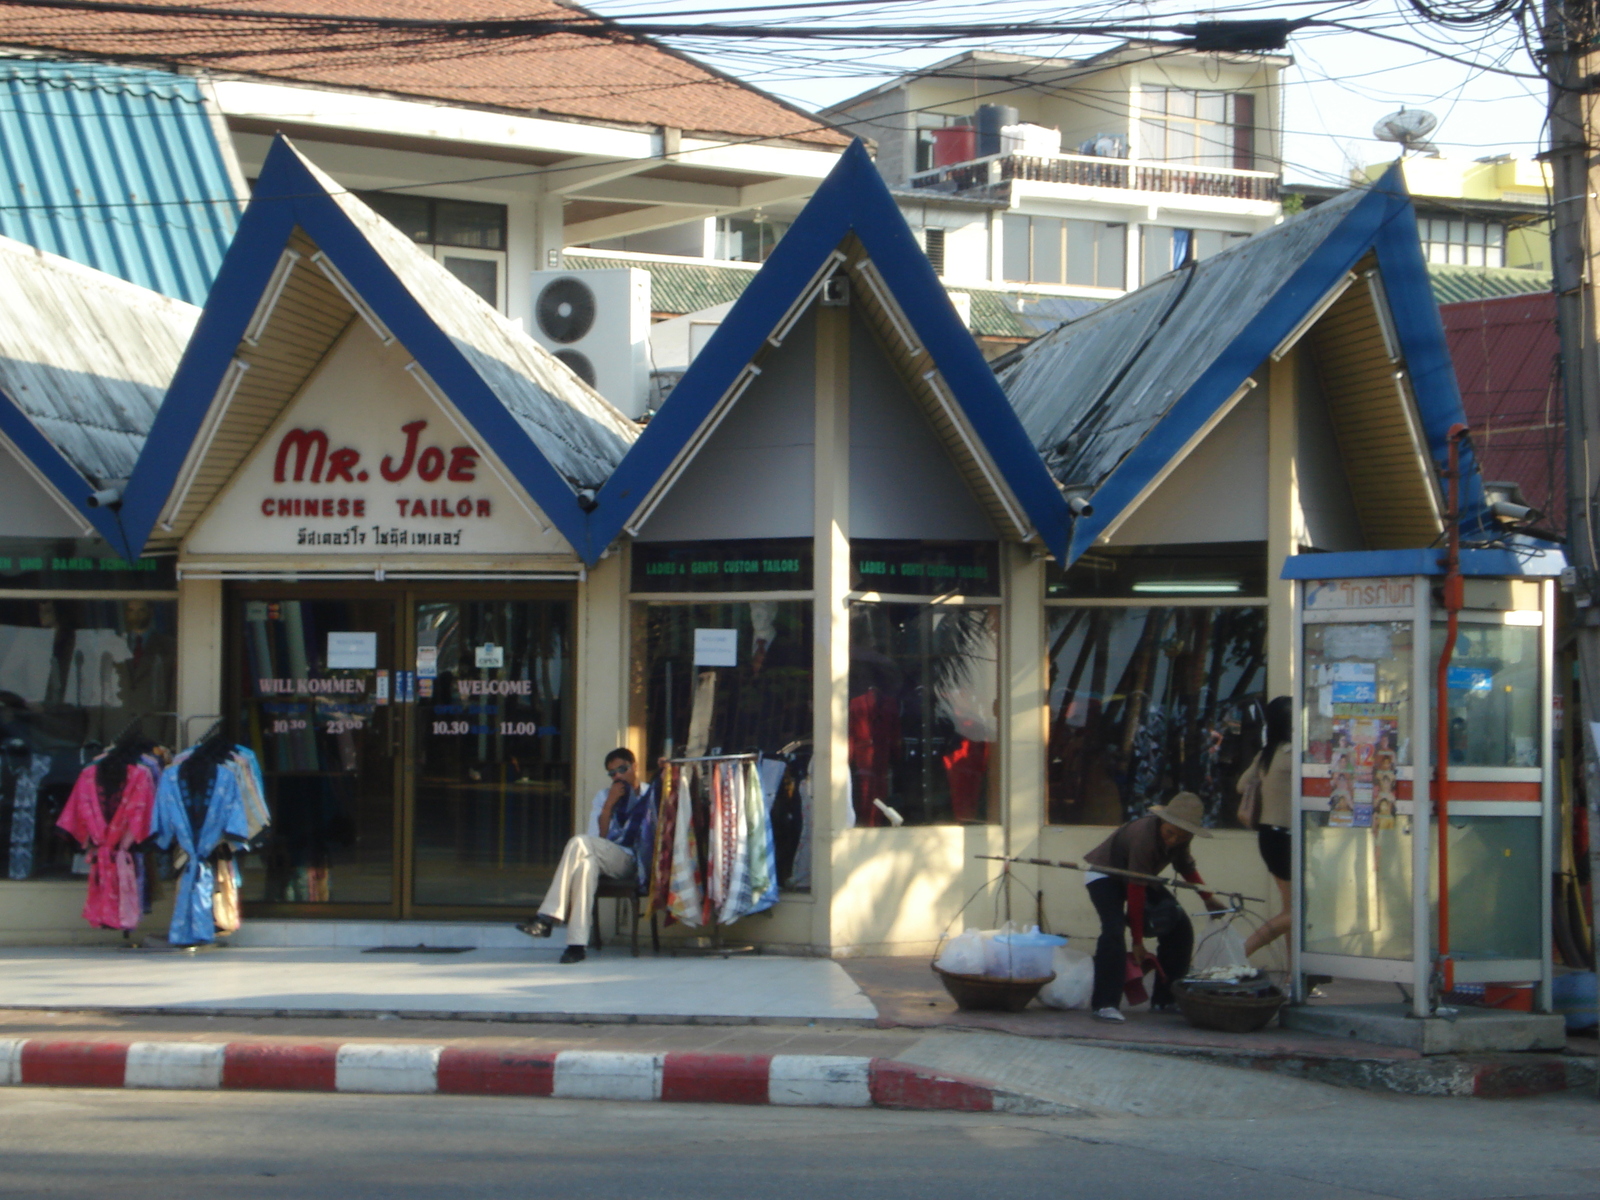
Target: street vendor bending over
[{"x": 1147, "y": 846}]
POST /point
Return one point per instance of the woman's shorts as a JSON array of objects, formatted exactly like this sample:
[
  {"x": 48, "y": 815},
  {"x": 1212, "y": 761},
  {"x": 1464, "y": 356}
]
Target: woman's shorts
[{"x": 1274, "y": 843}]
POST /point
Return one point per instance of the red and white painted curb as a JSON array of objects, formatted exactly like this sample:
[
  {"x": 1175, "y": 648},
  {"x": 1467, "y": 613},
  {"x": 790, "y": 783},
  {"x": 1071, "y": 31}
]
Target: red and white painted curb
[{"x": 833, "y": 1081}]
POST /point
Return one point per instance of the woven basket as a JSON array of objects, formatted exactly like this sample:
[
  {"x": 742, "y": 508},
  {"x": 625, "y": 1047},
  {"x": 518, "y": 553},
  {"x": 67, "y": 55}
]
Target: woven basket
[
  {"x": 1241, "y": 1013},
  {"x": 984, "y": 994}
]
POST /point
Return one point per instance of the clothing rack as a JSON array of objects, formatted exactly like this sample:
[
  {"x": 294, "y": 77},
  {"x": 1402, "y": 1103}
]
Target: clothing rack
[{"x": 716, "y": 946}]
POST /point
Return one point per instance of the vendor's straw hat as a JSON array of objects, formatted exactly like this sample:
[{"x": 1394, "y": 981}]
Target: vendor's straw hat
[{"x": 1186, "y": 811}]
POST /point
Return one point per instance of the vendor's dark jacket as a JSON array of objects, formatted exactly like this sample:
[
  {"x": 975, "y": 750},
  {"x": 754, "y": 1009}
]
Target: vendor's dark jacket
[{"x": 1137, "y": 846}]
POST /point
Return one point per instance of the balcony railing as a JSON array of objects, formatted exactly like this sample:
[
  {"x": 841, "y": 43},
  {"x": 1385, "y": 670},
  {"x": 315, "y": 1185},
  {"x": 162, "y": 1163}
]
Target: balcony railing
[{"x": 1087, "y": 171}]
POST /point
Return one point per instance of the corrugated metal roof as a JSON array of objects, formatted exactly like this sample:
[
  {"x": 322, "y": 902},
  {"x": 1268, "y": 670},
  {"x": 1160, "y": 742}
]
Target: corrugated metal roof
[
  {"x": 1455, "y": 284},
  {"x": 86, "y": 357},
  {"x": 693, "y": 285},
  {"x": 1089, "y": 392},
  {"x": 582, "y": 435},
  {"x": 1506, "y": 354},
  {"x": 115, "y": 168}
]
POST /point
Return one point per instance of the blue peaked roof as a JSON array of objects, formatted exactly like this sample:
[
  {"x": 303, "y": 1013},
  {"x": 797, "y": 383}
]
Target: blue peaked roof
[
  {"x": 853, "y": 199},
  {"x": 116, "y": 168},
  {"x": 1111, "y": 398},
  {"x": 551, "y": 431}
]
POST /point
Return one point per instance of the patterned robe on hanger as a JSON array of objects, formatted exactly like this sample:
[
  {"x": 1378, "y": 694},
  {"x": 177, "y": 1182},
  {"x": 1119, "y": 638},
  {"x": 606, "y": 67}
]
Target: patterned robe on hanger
[
  {"x": 115, "y": 899},
  {"x": 224, "y": 819}
]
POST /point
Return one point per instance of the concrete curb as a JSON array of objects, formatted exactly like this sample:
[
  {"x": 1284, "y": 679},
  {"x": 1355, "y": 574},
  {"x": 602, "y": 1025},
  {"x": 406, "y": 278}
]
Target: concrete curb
[{"x": 828, "y": 1081}]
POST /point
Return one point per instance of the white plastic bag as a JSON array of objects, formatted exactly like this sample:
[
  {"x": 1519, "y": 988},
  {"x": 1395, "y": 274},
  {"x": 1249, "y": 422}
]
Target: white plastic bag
[
  {"x": 963, "y": 954},
  {"x": 1074, "y": 982},
  {"x": 1220, "y": 946}
]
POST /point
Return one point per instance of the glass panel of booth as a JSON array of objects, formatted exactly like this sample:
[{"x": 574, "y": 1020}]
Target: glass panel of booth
[
  {"x": 493, "y": 720},
  {"x": 1356, "y": 816},
  {"x": 1145, "y": 702},
  {"x": 325, "y": 739},
  {"x": 1492, "y": 691}
]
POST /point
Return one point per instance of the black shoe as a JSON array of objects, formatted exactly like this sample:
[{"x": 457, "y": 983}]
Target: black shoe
[
  {"x": 574, "y": 954},
  {"x": 537, "y": 926}
]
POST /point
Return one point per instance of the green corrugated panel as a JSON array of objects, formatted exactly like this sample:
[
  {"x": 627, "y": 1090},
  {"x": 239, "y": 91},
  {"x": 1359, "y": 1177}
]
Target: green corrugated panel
[{"x": 1453, "y": 284}]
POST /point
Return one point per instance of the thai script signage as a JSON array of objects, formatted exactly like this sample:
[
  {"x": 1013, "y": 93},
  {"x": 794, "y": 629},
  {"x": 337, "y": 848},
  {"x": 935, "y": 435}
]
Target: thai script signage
[{"x": 1347, "y": 595}]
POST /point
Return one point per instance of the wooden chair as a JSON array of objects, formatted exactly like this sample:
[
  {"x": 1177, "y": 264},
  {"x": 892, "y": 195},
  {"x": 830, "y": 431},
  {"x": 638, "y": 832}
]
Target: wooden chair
[{"x": 626, "y": 891}]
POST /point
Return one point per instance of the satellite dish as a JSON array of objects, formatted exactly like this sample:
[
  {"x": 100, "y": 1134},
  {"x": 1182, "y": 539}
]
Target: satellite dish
[{"x": 1410, "y": 127}]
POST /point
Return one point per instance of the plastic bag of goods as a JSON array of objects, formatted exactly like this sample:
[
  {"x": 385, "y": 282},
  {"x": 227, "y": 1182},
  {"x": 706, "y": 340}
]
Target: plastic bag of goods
[
  {"x": 963, "y": 954},
  {"x": 1074, "y": 982},
  {"x": 1219, "y": 951},
  {"x": 1020, "y": 954}
]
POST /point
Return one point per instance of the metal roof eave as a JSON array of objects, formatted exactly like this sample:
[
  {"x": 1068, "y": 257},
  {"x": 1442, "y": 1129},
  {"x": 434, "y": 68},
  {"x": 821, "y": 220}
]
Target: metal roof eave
[
  {"x": 71, "y": 488},
  {"x": 1382, "y": 221},
  {"x": 287, "y": 195},
  {"x": 1526, "y": 561},
  {"x": 853, "y": 199}
]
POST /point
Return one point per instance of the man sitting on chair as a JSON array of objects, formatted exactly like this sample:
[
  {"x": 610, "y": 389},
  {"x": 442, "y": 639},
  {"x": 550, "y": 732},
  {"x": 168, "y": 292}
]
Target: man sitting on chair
[{"x": 603, "y": 850}]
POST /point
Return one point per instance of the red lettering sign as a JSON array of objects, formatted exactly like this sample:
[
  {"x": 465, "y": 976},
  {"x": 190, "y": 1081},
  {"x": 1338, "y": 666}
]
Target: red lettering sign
[{"x": 393, "y": 473}]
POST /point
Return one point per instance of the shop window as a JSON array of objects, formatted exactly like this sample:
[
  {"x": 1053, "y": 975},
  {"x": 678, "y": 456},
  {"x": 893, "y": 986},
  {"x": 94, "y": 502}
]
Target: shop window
[
  {"x": 468, "y": 237},
  {"x": 741, "y": 239},
  {"x": 1155, "y": 573},
  {"x": 1064, "y": 250},
  {"x": 1147, "y": 702},
  {"x": 1468, "y": 243},
  {"x": 924, "y": 705},
  {"x": 1164, "y": 248},
  {"x": 74, "y": 676},
  {"x": 1493, "y": 694},
  {"x": 733, "y": 677},
  {"x": 1200, "y": 129}
]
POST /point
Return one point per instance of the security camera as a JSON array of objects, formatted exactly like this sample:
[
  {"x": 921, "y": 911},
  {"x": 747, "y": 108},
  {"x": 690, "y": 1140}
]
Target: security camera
[
  {"x": 110, "y": 497},
  {"x": 587, "y": 500},
  {"x": 1080, "y": 506},
  {"x": 1517, "y": 514}
]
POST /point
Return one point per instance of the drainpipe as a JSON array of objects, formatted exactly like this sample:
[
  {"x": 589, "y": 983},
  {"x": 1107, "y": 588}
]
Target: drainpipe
[{"x": 1454, "y": 596}]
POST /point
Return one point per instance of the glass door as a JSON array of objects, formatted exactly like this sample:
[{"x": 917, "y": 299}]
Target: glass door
[
  {"x": 311, "y": 690},
  {"x": 491, "y": 751}
]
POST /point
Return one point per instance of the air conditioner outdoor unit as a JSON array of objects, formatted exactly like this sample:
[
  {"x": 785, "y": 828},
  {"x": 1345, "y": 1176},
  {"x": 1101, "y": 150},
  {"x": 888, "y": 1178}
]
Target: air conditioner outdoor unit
[{"x": 598, "y": 323}]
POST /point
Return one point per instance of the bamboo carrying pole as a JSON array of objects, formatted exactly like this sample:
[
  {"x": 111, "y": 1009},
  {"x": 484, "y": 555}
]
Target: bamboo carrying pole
[{"x": 1238, "y": 900}]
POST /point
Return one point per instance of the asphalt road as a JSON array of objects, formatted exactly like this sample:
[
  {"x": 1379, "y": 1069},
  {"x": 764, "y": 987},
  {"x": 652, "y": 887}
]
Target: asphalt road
[{"x": 179, "y": 1145}]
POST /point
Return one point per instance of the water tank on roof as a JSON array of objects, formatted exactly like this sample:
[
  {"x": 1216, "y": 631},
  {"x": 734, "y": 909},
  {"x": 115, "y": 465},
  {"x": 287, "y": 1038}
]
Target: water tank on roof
[
  {"x": 953, "y": 144},
  {"x": 992, "y": 118}
]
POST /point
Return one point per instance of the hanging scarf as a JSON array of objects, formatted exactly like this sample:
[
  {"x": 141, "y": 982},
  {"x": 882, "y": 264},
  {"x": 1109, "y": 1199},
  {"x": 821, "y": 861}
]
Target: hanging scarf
[{"x": 685, "y": 896}]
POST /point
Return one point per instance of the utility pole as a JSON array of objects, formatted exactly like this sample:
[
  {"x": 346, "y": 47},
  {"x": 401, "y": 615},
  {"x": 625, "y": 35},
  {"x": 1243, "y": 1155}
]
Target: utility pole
[{"x": 1570, "y": 64}]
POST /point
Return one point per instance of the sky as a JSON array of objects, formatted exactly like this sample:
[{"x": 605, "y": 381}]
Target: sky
[{"x": 1342, "y": 81}]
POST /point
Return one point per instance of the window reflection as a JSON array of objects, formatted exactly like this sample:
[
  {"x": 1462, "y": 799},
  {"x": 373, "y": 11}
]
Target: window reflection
[
  {"x": 74, "y": 676},
  {"x": 762, "y": 702},
  {"x": 1146, "y": 702},
  {"x": 924, "y": 691},
  {"x": 1493, "y": 694}
]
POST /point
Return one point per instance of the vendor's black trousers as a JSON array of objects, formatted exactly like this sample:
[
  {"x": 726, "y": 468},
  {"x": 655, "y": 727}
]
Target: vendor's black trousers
[{"x": 1174, "y": 943}]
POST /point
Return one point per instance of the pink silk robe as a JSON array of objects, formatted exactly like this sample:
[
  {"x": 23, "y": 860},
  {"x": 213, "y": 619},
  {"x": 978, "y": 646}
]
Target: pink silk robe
[{"x": 114, "y": 901}]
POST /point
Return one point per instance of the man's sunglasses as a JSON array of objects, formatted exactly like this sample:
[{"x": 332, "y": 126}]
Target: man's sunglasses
[{"x": 615, "y": 771}]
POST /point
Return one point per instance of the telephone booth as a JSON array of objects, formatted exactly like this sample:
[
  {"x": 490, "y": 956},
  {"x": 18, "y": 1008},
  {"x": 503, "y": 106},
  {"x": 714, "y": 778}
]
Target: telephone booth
[{"x": 1370, "y": 630}]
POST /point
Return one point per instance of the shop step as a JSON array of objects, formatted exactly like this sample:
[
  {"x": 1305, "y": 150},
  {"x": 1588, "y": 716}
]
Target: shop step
[{"x": 366, "y": 935}]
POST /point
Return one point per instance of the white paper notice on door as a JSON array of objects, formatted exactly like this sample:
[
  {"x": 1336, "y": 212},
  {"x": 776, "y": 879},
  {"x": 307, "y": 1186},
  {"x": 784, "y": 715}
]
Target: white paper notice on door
[
  {"x": 716, "y": 647},
  {"x": 356, "y": 651}
]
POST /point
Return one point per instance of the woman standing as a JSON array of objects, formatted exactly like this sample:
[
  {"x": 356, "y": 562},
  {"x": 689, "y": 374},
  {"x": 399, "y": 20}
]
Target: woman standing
[{"x": 1273, "y": 769}]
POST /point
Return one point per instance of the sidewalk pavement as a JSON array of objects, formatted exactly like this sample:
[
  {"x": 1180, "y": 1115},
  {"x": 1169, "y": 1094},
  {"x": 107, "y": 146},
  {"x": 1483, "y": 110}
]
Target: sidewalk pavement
[{"x": 751, "y": 1027}]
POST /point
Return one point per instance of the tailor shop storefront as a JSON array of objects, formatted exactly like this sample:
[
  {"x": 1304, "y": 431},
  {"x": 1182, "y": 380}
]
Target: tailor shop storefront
[{"x": 402, "y": 665}]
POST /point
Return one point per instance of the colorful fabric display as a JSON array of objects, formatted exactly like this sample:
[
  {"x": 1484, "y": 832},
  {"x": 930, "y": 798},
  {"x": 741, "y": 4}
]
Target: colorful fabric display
[{"x": 107, "y": 827}]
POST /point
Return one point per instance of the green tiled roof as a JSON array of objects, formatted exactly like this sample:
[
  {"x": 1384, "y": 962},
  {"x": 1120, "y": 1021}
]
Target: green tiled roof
[
  {"x": 684, "y": 287},
  {"x": 693, "y": 285},
  {"x": 1453, "y": 284}
]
